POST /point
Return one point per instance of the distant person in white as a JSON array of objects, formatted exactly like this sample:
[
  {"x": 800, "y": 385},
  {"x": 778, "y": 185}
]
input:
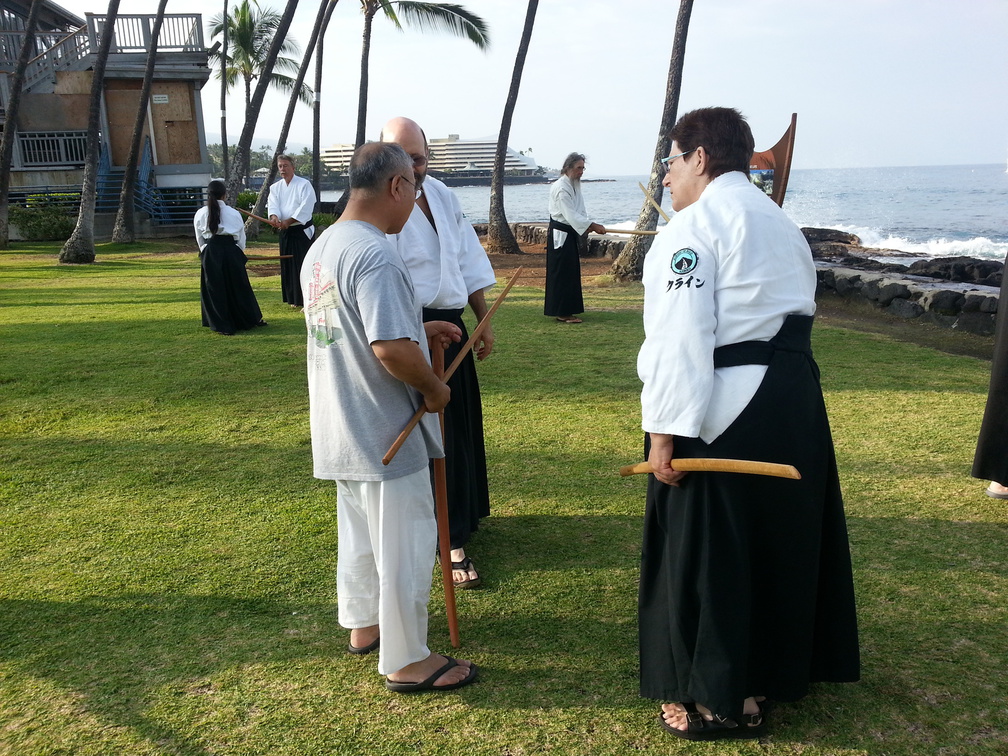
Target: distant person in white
[
  {"x": 368, "y": 372},
  {"x": 290, "y": 207},
  {"x": 227, "y": 301},
  {"x": 450, "y": 269},
  {"x": 568, "y": 223}
]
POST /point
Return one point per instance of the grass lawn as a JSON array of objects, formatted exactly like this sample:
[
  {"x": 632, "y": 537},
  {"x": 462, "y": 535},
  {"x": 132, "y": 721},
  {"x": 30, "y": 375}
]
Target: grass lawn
[{"x": 167, "y": 562}]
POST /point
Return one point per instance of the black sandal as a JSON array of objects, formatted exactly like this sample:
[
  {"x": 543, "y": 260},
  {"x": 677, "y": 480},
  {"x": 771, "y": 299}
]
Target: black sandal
[
  {"x": 700, "y": 728},
  {"x": 464, "y": 566}
]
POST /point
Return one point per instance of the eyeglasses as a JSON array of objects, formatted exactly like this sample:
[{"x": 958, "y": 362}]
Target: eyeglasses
[
  {"x": 417, "y": 191},
  {"x": 419, "y": 160},
  {"x": 668, "y": 161}
]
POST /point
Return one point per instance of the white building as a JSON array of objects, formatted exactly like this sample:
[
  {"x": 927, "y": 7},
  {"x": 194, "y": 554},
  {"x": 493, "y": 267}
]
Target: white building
[{"x": 450, "y": 156}]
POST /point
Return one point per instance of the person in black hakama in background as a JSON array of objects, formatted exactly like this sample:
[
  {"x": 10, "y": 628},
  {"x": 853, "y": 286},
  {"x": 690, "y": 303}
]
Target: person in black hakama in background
[
  {"x": 568, "y": 223},
  {"x": 990, "y": 462},
  {"x": 450, "y": 270},
  {"x": 226, "y": 297},
  {"x": 746, "y": 591},
  {"x": 290, "y": 207}
]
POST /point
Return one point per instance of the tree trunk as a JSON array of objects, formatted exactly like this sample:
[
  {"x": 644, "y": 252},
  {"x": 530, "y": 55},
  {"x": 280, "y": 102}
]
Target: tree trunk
[
  {"x": 369, "y": 13},
  {"x": 241, "y": 156},
  {"x": 629, "y": 266},
  {"x": 80, "y": 248},
  {"x": 10, "y": 131},
  {"x": 316, "y": 105},
  {"x": 223, "y": 93},
  {"x": 260, "y": 205},
  {"x": 499, "y": 236},
  {"x": 124, "y": 231}
]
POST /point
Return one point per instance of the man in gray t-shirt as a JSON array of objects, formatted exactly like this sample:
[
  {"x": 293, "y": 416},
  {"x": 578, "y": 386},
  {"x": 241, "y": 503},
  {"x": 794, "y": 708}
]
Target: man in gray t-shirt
[{"x": 368, "y": 372}]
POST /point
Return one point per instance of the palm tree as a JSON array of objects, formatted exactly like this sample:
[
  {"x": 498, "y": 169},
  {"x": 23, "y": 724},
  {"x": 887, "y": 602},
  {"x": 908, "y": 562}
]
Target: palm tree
[
  {"x": 241, "y": 154},
  {"x": 223, "y": 95},
  {"x": 448, "y": 17},
  {"x": 316, "y": 104},
  {"x": 124, "y": 231},
  {"x": 80, "y": 248},
  {"x": 13, "y": 105},
  {"x": 325, "y": 10},
  {"x": 629, "y": 266},
  {"x": 499, "y": 235},
  {"x": 251, "y": 32}
]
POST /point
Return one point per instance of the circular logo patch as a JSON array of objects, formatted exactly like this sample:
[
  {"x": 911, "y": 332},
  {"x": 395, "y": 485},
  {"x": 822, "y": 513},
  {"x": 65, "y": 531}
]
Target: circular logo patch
[{"x": 684, "y": 261}]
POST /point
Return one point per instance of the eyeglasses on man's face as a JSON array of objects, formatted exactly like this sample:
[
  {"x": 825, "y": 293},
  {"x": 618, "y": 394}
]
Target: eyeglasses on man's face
[
  {"x": 416, "y": 192},
  {"x": 419, "y": 161},
  {"x": 667, "y": 162}
]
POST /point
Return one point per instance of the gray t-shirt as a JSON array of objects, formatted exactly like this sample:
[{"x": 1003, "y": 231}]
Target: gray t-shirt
[{"x": 357, "y": 291}]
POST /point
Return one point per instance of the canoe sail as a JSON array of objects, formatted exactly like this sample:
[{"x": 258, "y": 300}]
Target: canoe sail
[{"x": 770, "y": 169}]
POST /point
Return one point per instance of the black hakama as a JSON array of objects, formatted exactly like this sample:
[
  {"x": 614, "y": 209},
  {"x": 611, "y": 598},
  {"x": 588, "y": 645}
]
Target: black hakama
[
  {"x": 746, "y": 585},
  {"x": 991, "y": 459},
  {"x": 294, "y": 242},
  {"x": 226, "y": 297},
  {"x": 563, "y": 273},
  {"x": 465, "y": 453}
]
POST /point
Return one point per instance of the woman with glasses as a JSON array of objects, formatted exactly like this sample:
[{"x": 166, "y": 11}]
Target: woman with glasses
[
  {"x": 568, "y": 223},
  {"x": 226, "y": 297},
  {"x": 746, "y": 593}
]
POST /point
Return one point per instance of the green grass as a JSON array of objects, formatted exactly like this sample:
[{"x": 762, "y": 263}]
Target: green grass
[{"x": 167, "y": 562}]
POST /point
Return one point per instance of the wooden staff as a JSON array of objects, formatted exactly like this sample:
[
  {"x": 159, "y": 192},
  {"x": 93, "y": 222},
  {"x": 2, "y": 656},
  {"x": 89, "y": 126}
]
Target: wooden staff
[
  {"x": 713, "y": 464},
  {"x": 250, "y": 215},
  {"x": 631, "y": 231},
  {"x": 269, "y": 257},
  {"x": 441, "y": 512},
  {"x": 654, "y": 204},
  {"x": 397, "y": 444}
]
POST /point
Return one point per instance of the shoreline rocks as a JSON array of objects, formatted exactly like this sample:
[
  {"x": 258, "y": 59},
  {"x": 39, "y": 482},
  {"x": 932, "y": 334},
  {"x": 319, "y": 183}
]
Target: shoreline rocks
[{"x": 954, "y": 292}]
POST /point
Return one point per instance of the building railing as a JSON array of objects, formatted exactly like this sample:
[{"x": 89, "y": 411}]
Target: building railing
[
  {"x": 40, "y": 149},
  {"x": 180, "y": 32}
]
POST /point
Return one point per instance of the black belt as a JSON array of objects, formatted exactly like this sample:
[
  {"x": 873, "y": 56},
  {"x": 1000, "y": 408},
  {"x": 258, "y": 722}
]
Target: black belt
[
  {"x": 562, "y": 227},
  {"x": 793, "y": 336},
  {"x": 433, "y": 314}
]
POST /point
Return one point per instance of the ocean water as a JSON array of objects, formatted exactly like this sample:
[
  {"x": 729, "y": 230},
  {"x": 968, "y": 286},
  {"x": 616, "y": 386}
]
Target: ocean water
[{"x": 926, "y": 211}]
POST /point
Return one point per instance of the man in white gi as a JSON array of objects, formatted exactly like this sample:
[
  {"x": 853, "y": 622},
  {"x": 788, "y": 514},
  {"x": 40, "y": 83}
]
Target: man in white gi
[
  {"x": 290, "y": 207},
  {"x": 368, "y": 372},
  {"x": 450, "y": 269},
  {"x": 569, "y": 221}
]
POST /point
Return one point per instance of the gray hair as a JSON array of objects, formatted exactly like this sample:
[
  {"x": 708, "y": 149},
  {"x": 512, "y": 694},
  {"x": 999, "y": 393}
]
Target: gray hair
[
  {"x": 375, "y": 163},
  {"x": 569, "y": 161},
  {"x": 288, "y": 158}
]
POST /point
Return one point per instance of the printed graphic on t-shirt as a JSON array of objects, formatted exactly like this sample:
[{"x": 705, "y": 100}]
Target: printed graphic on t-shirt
[{"x": 321, "y": 306}]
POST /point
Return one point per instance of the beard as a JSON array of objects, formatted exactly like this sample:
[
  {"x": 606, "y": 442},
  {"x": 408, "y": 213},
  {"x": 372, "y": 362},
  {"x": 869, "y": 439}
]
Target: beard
[{"x": 419, "y": 178}]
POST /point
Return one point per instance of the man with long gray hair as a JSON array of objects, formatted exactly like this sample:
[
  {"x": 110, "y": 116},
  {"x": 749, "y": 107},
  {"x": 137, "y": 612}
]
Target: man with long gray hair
[{"x": 368, "y": 373}]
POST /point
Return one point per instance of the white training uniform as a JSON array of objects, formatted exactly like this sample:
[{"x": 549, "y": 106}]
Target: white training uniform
[
  {"x": 716, "y": 275},
  {"x": 566, "y": 204},
  {"x": 448, "y": 264},
  {"x": 231, "y": 224},
  {"x": 294, "y": 200}
]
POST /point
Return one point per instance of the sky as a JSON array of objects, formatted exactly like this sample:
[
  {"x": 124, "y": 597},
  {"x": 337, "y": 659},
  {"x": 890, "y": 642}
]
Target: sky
[{"x": 875, "y": 83}]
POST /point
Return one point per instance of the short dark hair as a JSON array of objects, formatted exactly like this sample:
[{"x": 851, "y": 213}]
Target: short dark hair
[
  {"x": 724, "y": 135},
  {"x": 569, "y": 161},
  {"x": 375, "y": 163}
]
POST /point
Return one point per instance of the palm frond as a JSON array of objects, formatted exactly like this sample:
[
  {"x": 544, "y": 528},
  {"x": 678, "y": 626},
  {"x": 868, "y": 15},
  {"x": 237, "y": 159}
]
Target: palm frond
[{"x": 447, "y": 17}]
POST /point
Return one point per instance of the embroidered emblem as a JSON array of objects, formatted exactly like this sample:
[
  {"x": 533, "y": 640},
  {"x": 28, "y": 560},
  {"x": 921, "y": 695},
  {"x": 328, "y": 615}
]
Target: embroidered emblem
[{"x": 684, "y": 261}]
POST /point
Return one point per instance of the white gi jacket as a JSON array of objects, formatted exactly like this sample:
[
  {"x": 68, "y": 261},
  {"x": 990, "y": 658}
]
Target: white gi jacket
[
  {"x": 231, "y": 223},
  {"x": 566, "y": 204},
  {"x": 294, "y": 200},
  {"x": 446, "y": 265},
  {"x": 728, "y": 268}
]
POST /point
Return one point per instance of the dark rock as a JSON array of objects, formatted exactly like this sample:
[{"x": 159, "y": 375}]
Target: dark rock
[
  {"x": 892, "y": 290},
  {"x": 815, "y": 235},
  {"x": 847, "y": 284},
  {"x": 981, "y": 323},
  {"x": 944, "y": 302},
  {"x": 959, "y": 269},
  {"x": 905, "y": 308}
]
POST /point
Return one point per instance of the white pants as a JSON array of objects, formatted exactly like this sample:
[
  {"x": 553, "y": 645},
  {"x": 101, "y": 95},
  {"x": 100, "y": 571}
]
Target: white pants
[{"x": 387, "y": 537}]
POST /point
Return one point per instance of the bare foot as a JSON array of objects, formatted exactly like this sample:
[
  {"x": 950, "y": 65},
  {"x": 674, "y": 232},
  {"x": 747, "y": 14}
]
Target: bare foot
[
  {"x": 421, "y": 670},
  {"x": 997, "y": 491},
  {"x": 462, "y": 576},
  {"x": 674, "y": 715},
  {"x": 361, "y": 637}
]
